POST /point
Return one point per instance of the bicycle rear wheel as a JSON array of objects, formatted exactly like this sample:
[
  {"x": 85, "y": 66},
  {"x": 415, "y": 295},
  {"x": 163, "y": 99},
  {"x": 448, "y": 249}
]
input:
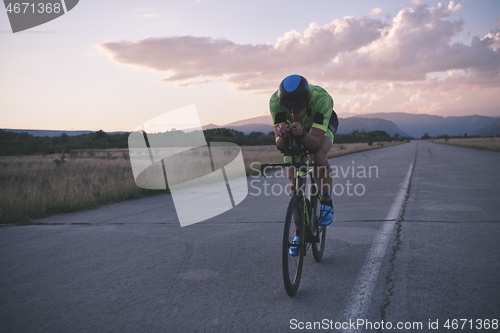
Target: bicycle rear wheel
[
  {"x": 318, "y": 248},
  {"x": 292, "y": 265}
]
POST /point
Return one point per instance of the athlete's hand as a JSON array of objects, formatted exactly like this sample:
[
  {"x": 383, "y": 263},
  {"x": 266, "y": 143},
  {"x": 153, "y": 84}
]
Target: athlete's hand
[
  {"x": 296, "y": 129},
  {"x": 283, "y": 130}
]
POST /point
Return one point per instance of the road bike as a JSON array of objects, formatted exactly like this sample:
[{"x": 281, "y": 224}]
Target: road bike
[{"x": 305, "y": 208}]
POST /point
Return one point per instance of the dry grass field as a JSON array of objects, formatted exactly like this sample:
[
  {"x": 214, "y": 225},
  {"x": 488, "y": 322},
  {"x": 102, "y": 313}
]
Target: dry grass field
[
  {"x": 477, "y": 143},
  {"x": 350, "y": 148},
  {"x": 38, "y": 186}
]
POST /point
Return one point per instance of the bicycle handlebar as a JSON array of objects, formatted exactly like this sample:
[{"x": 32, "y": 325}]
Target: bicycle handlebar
[{"x": 292, "y": 149}]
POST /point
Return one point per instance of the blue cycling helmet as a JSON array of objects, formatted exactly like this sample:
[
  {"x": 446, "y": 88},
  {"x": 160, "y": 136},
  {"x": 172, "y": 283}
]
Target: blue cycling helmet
[{"x": 294, "y": 93}]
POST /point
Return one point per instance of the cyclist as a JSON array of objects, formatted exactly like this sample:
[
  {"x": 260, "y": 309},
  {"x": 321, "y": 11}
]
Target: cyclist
[{"x": 306, "y": 111}]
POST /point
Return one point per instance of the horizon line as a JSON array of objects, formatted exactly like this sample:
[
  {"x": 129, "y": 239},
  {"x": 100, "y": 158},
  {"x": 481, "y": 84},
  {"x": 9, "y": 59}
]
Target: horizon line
[{"x": 212, "y": 124}]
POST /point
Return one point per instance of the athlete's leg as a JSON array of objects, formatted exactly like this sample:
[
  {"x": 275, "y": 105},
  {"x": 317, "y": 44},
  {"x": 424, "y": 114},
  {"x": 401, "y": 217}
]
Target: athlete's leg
[
  {"x": 290, "y": 172},
  {"x": 323, "y": 178}
]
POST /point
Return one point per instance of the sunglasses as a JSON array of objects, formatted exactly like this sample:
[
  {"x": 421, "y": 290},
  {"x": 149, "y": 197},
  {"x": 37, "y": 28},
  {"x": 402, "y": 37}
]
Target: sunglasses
[{"x": 294, "y": 109}]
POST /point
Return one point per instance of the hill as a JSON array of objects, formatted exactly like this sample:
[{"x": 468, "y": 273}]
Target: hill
[
  {"x": 267, "y": 120},
  {"x": 53, "y": 133},
  {"x": 249, "y": 128},
  {"x": 347, "y": 125},
  {"x": 491, "y": 130},
  {"x": 404, "y": 124},
  {"x": 418, "y": 124},
  {"x": 49, "y": 133},
  {"x": 206, "y": 127}
]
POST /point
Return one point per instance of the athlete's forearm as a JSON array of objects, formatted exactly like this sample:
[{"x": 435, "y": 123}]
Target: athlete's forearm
[
  {"x": 311, "y": 141},
  {"x": 281, "y": 143}
]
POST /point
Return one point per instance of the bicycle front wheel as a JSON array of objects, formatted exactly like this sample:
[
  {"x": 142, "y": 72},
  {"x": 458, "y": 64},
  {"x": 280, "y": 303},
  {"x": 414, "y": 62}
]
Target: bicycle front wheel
[
  {"x": 293, "y": 259},
  {"x": 318, "y": 248}
]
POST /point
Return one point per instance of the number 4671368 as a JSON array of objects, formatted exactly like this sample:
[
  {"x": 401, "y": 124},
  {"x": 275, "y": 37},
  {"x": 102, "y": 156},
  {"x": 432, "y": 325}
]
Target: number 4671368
[{"x": 31, "y": 7}]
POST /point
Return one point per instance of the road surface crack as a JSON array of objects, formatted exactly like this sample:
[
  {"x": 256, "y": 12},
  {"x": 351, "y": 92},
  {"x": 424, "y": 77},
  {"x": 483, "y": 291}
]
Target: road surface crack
[{"x": 389, "y": 282}]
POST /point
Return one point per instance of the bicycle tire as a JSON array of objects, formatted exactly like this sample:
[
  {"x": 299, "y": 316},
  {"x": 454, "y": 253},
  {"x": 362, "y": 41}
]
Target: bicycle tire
[
  {"x": 318, "y": 248},
  {"x": 292, "y": 265}
]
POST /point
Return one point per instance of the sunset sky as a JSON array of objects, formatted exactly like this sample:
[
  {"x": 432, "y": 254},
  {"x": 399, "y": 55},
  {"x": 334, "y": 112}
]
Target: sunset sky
[{"x": 115, "y": 64}]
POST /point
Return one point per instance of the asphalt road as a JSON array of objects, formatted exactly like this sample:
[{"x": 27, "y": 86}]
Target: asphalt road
[{"x": 130, "y": 267}]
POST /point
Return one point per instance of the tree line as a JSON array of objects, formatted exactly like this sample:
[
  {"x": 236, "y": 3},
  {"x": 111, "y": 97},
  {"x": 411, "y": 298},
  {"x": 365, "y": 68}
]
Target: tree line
[
  {"x": 426, "y": 136},
  {"x": 12, "y": 143}
]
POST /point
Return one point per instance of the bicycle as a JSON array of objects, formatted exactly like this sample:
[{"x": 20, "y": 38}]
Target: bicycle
[{"x": 304, "y": 207}]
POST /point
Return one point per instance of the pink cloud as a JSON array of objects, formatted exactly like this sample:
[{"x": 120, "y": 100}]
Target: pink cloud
[
  {"x": 376, "y": 12},
  {"x": 367, "y": 51},
  {"x": 189, "y": 57}
]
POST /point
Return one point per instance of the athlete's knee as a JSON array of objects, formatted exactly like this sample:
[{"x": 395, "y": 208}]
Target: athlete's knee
[{"x": 320, "y": 158}]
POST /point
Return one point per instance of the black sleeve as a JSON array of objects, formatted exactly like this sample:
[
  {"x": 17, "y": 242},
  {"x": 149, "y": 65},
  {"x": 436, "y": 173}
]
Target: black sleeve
[{"x": 333, "y": 125}]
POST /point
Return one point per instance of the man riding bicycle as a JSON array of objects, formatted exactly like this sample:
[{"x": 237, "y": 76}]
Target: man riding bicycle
[{"x": 306, "y": 112}]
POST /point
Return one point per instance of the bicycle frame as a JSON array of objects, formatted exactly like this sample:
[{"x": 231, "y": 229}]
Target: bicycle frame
[
  {"x": 301, "y": 217},
  {"x": 300, "y": 162}
]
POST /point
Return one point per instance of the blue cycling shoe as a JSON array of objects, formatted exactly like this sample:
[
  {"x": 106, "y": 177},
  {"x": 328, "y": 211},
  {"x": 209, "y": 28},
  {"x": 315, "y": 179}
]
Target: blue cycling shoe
[
  {"x": 294, "y": 250},
  {"x": 326, "y": 217}
]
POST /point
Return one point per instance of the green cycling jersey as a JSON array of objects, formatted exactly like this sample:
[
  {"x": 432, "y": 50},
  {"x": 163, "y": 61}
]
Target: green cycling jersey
[{"x": 319, "y": 111}]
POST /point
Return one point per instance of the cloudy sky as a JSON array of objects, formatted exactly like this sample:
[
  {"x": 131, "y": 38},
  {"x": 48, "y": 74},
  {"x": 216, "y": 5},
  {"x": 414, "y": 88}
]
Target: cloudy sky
[{"x": 115, "y": 64}]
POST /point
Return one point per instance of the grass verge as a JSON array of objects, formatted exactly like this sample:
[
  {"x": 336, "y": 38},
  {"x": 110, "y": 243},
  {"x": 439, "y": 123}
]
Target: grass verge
[
  {"x": 39, "y": 186},
  {"x": 492, "y": 144}
]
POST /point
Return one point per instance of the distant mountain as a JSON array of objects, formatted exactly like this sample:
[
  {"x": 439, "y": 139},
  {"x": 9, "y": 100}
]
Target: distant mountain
[
  {"x": 491, "y": 130},
  {"x": 404, "y": 124},
  {"x": 209, "y": 126},
  {"x": 418, "y": 124},
  {"x": 52, "y": 133},
  {"x": 267, "y": 119},
  {"x": 346, "y": 114},
  {"x": 247, "y": 129},
  {"x": 348, "y": 125},
  {"x": 257, "y": 124}
]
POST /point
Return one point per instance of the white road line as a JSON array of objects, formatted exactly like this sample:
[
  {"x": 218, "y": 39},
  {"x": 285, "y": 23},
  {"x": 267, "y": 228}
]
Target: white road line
[{"x": 359, "y": 301}]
